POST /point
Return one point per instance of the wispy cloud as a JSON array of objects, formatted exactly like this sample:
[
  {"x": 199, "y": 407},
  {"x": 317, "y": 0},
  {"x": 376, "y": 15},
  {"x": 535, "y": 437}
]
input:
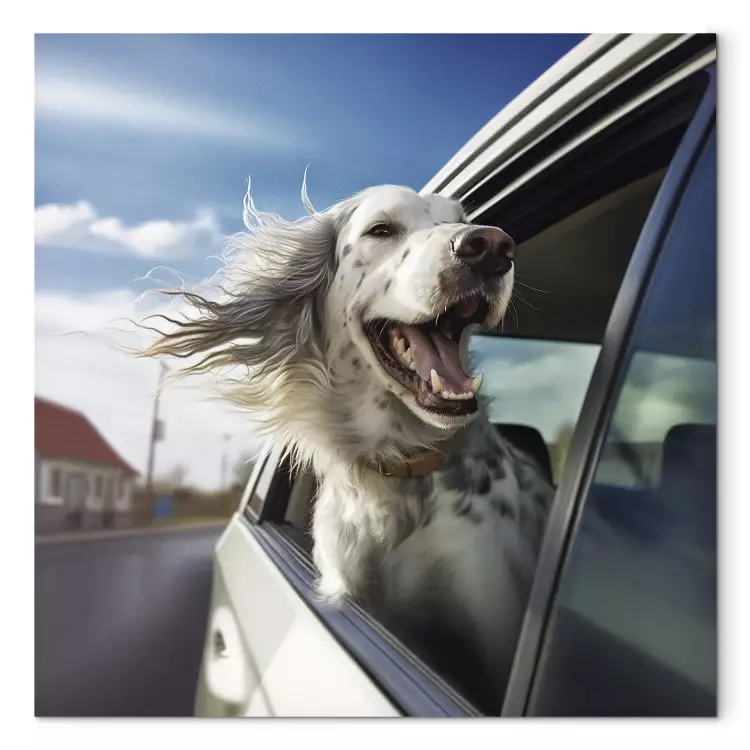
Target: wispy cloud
[
  {"x": 85, "y": 101},
  {"x": 78, "y": 226}
]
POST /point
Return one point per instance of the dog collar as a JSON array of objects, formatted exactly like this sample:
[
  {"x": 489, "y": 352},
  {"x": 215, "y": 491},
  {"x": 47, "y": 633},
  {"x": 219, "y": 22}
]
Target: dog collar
[{"x": 418, "y": 465}]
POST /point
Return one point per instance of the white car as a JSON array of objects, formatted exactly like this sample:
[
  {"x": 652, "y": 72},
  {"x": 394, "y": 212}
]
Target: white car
[{"x": 604, "y": 172}]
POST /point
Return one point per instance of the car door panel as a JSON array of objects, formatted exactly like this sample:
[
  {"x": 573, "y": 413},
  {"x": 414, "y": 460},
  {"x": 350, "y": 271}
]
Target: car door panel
[{"x": 293, "y": 665}]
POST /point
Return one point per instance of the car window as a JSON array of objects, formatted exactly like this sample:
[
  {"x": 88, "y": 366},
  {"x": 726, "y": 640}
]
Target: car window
[
  {"x": 634, "y": 632},
  {"x": 540, "y": 384},
  {"x": 536, "y": 385}
]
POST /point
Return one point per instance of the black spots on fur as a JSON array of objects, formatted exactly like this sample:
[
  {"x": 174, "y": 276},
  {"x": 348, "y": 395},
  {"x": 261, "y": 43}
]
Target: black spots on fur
[
  {"x": 346, "y": 251},
  {"x": 406, "y": 254},
  {"x": 499, "y": 471},
  {"x": 525, "y": 482},
  {"x": 358, "y": 263},
  {"x": 463, "y": 507},
  {"x": 361, "y": 279},
  {"x": 499, "y": 448},
  {"x": 462, "y": 474},
  {"x": 495, "y": 467},
  {"x": 483, "y": 481},
  {"x": 382, "y": 403},
  {"x": 388, "y": 285},
  {"x": 454, "y": 475},
  {"x": 356, "y": 364},
  {"x": 503, "y": 507}
]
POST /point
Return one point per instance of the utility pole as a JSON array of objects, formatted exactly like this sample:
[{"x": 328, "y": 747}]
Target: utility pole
[
  {"x": 156, "y": 434},
  {"x": 224, "y": 464}
]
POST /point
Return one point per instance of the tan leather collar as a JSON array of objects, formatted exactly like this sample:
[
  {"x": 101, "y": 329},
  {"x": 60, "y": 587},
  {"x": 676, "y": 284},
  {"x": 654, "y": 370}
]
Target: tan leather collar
[{"x": 418, "y": 465}]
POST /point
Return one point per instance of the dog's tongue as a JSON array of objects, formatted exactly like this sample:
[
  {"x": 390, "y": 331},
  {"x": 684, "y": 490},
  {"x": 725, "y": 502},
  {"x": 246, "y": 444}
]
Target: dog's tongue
[{"x": 433, "y": 351}]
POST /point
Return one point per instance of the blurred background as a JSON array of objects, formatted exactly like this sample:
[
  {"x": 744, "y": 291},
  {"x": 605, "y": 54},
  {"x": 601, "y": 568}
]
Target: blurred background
[{"x": 143, "y": 149}]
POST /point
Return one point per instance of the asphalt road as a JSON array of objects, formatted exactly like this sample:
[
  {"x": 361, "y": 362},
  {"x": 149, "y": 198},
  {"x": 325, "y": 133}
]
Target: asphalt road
[{"x": 119, "y": 624}]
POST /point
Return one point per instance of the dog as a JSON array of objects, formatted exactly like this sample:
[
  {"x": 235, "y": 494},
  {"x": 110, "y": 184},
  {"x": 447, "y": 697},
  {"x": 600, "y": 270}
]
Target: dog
[{"x": 353, "y": 327}]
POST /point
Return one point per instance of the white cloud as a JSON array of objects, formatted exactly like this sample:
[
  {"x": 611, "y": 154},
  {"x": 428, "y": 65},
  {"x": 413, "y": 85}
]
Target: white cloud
[
  {"x": 78, "y": 226},
  {"x": 538, "y": 383},
  {"x": 116, "y": 391},
  {"x": 86, "y": 101},
  {"x": 544, "y": 383}
]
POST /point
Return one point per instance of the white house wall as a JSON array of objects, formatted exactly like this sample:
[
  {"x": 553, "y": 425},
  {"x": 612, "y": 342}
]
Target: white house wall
[{"x": 92, "y": 502}]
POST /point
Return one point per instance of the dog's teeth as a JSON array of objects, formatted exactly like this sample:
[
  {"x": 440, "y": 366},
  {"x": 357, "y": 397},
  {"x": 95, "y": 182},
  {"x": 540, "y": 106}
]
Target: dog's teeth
[
  {"x": 477, "y": 383},
  {"x": 408, "y": 357},
  {"x": 437, "y": 386},
  {"x": 400, "y": 346}
]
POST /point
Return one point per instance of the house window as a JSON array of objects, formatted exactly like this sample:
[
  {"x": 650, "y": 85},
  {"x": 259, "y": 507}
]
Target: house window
[
  {"x": 56, "y": 483},
  {"x": 121, "y": 486},
  {"x": 109, "y": 489},
  {"x": 98, "y": 486}
]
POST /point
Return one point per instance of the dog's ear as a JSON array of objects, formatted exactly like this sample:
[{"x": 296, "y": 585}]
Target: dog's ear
[{"x": 276, "y": 278}]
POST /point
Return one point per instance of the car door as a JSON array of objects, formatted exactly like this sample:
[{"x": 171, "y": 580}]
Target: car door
[{"x": 266, "y": 653}]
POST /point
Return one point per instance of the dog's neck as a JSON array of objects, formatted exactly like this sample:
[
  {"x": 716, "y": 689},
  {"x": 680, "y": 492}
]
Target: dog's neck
[
  {"x": 360, "y": 430},
  {"x": 416, "y": 465}
]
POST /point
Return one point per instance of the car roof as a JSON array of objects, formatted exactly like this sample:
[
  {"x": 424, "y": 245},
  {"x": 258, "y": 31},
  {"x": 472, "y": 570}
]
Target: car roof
[
  {"x": 582, "y": 76},
  {"x": 552, "y": 169}
]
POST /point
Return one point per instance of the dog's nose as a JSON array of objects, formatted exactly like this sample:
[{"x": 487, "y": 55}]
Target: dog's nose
[{"x": 487, "y": 251}]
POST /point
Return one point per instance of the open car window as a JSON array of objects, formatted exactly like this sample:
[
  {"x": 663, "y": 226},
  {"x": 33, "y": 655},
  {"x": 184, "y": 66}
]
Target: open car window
[{"x": 572, "y": 258}]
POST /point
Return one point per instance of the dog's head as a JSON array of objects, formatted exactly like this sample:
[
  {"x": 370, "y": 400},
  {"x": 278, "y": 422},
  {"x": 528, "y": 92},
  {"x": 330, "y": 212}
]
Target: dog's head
[
  {"x": 412, "y": 280},
  {"x": 360, "y": 314}
]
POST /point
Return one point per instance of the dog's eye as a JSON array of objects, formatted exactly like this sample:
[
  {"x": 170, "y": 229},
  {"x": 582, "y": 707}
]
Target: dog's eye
[{"x": 381, "y": 230}]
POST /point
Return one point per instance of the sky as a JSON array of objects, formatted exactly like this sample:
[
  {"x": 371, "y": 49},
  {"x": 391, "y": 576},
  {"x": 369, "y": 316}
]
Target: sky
[{"x": 143, "y": 149}]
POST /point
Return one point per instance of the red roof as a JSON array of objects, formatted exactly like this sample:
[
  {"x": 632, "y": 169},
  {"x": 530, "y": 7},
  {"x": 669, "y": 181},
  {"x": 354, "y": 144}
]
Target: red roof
[{"x": 60, "y": 432}]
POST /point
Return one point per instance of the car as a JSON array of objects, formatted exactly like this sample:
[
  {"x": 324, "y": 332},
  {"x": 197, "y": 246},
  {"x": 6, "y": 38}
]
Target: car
[{"x": 604, "y": 172}]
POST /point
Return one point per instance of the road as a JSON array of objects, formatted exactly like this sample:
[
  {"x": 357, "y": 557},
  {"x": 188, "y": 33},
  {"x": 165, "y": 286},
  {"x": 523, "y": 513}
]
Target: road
[{"x": 119, "y": 624}]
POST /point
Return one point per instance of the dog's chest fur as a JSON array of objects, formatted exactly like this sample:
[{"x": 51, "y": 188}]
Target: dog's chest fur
[{"x": 446, "y": 560}]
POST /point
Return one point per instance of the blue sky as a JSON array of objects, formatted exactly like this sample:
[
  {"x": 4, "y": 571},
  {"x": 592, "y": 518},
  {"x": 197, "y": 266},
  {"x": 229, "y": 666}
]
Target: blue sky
[
  {"x": 362, "y": 110},
  {"x": 143, "y": 147}
]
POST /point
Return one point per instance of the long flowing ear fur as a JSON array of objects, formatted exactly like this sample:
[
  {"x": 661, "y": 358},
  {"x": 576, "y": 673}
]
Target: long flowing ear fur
[{"x": 268, "y": 318}]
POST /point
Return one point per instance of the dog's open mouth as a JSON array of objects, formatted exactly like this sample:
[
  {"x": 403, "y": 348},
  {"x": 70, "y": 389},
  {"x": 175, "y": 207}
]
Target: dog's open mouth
[{"x": 425, "y": 357}]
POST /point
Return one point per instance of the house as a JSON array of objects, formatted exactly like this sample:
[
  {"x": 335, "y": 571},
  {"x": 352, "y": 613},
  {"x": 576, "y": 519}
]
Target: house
[{"x": 81, "y": 481}]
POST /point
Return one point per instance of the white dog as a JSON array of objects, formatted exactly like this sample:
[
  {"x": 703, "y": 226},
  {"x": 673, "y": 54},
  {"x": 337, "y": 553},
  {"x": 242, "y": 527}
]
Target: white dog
[{"x": 354, "y": 326}]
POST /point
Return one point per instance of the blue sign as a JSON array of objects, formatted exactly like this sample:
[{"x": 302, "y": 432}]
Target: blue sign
[{"x": 163, "y": 506}]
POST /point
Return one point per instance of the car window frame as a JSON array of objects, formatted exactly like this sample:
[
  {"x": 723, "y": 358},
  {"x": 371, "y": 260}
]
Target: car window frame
[
  {"x": 414, "y": 688},
  {"x": 601, "y": 397},
  {"x": 408, "y": 682}
]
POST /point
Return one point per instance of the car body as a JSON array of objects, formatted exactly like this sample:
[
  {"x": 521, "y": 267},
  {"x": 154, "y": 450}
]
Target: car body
[{"x": 604, "y": 172}]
